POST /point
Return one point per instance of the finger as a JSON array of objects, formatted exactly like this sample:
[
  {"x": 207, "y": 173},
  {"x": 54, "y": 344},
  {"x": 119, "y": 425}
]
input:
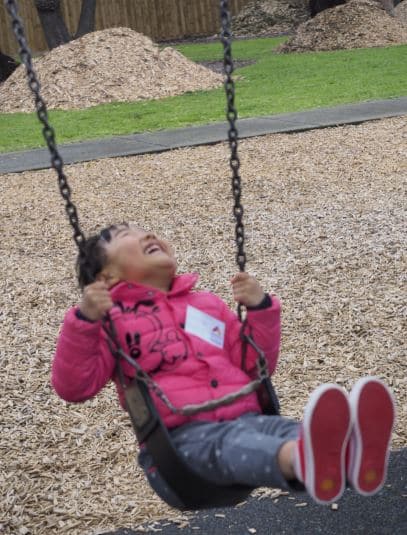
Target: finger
[
  {"x": 98, "y": 300},
  {"x": 239, "y": 294},
  {"x": 239, "y": 277},
  {"x": 98, "y": 283},
  {"x": 99, "y": 289},
  {"x": 243, "y": 286}
]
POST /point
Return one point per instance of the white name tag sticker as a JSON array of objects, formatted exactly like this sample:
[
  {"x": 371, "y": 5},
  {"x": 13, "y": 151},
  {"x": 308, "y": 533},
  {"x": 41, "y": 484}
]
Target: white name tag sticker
[{"x": 205, "y": 326}]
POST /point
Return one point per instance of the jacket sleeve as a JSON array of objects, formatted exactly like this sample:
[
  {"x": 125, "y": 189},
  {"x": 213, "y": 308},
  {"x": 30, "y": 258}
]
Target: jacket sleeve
[
  {"x": 264, "y": 327},
  {"x": 80, "y": 369}
]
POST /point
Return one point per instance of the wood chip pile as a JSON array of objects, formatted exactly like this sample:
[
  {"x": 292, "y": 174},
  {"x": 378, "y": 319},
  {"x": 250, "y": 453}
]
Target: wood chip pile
[
  {"x": 401, "y": 11},
  {"x": 325, "y": 225},
  {"x": 267, "y": 17},
  {"x": 113, "y": 65},
  {"x": 356, "y": 24}
]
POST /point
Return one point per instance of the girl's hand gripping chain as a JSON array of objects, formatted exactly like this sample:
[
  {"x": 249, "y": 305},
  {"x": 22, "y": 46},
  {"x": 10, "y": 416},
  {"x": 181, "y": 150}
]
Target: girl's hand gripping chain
[
  {"x": 96, "y": 301},
  {"x": 246, "y": 290}
]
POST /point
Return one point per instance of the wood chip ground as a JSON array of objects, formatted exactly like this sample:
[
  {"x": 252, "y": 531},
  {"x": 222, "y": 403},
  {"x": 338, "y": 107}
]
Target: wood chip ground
[{"x": 325, "y": 224}]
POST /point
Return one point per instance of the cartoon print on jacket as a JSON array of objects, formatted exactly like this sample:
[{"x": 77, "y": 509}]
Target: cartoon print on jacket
[
  {"x": 168, "y": 342},
  {"x": 133, "y": 343}
]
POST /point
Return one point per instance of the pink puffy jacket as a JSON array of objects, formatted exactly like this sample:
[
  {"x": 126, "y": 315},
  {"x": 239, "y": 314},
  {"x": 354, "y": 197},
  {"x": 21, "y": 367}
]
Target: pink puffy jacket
[{"x": 151, "y": 328}]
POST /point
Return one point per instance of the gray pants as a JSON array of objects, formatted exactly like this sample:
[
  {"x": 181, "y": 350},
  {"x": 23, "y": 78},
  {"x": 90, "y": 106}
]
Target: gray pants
[{"x": 241, "y": 451}]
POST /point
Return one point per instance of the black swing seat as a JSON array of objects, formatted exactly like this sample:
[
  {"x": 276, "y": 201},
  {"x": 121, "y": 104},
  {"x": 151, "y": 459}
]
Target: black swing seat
[{"x": 192, "y": 490}]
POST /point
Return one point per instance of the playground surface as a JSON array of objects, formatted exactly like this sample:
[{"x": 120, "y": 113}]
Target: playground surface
[
  {"x": 364, "y": 183},
  {"x": 382, "y": 514}
]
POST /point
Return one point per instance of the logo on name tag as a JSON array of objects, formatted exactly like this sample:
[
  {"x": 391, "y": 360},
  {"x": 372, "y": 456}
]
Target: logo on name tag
[{"x": 205, "y": 326}]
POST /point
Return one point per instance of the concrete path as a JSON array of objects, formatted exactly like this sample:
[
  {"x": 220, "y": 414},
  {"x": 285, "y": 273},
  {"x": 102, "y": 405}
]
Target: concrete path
[
  {"x": 204, "y": 135},
  {"x": 382, "y": 514}
]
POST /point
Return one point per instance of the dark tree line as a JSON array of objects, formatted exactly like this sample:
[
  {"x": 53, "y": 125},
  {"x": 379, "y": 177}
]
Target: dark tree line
[
  {"x": 55, "y": 30},
  {"x": 54, "y": 27},
  {"x": 7, "y": 66},
  {"x": 316, "y": 6}
]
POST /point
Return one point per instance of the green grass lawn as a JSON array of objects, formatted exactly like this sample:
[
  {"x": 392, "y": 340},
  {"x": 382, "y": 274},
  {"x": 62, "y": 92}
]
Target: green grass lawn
[{"x": 274, "y": 84}]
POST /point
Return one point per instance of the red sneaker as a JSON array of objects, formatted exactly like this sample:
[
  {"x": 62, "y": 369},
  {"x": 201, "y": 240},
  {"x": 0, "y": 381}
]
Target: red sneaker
[
  {"x": 320, "y": 454},
  {"x": 373, "y": 414}
]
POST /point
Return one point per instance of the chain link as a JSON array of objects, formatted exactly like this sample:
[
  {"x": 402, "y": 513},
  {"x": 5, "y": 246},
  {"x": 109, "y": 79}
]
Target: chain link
[
  {"x": 231, "y": 115},
  {"x": 48, "y": 131}
]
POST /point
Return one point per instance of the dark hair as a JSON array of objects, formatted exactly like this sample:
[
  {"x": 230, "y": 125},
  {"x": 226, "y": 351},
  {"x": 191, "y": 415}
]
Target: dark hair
[{"x": 92, "y": 255}]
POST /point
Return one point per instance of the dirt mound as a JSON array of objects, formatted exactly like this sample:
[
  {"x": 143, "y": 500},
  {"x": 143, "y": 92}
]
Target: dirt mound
[
  {"x": 111, "y": 65},
  {"x": 265, "y": 17},
  {"x": 356, "y": 24}
]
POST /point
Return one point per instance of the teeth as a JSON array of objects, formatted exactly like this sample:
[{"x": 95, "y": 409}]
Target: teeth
[{"x": 152, "y": 249}]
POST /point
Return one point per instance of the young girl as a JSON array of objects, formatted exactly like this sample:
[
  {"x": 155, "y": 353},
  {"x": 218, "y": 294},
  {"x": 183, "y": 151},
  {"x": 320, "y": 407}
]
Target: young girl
[{"x": 189, "y": 343}]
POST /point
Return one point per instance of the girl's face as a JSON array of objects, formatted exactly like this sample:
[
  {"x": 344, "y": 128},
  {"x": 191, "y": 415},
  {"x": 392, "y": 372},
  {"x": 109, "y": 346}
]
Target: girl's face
[{"x": 134, "y": 254}]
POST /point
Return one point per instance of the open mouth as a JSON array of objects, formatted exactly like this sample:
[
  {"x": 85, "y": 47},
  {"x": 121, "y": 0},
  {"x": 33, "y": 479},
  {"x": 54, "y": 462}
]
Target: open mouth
[{"x": 152, "y": 249}]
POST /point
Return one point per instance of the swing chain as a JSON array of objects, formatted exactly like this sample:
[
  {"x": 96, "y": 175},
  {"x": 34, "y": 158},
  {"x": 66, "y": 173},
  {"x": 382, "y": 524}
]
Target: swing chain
[
  {"x": 261, "y": 362},
  {"x": 48, "y": 131},
  {"x": 231, "y": 114}
]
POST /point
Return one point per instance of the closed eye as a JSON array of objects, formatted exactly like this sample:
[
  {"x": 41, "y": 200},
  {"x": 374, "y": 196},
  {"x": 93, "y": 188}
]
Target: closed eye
[{"x": 122, "y": 232}]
